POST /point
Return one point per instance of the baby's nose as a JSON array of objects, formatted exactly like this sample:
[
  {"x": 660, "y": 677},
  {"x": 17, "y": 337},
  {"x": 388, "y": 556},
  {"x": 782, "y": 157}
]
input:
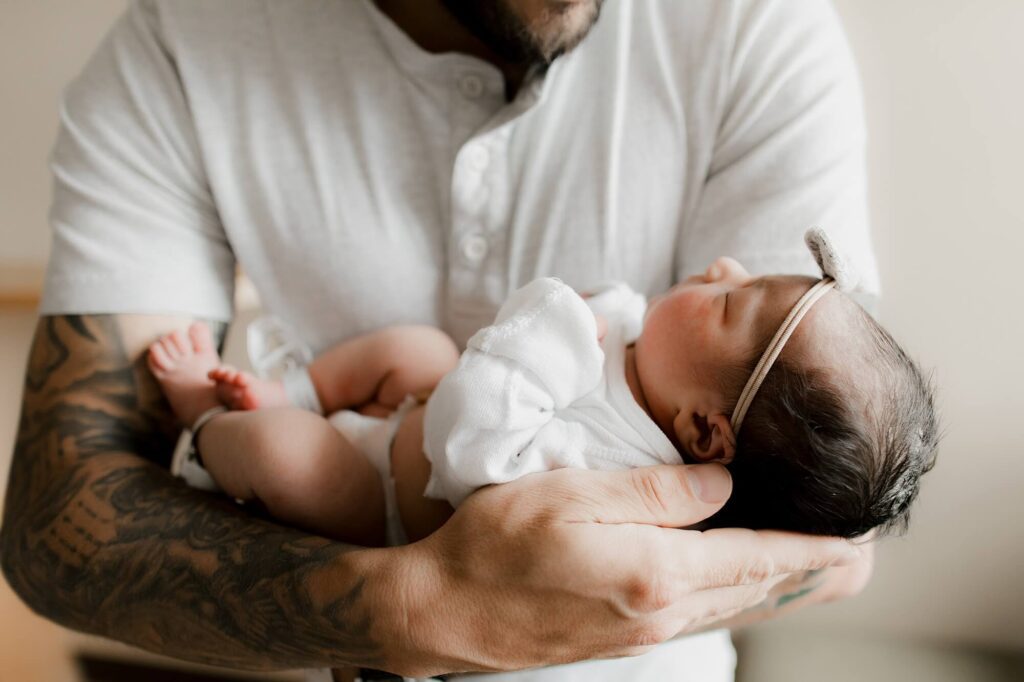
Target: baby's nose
[{"x": 725, "y": 268}]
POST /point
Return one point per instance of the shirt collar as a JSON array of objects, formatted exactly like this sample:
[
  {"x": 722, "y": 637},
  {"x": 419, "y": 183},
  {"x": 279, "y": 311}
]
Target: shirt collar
[{"x": 446, "y": 68}]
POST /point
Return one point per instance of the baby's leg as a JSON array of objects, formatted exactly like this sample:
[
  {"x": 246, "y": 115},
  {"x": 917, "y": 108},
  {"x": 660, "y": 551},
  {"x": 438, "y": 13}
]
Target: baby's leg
[
  {"x": 300, "y": 468},
  {"x": 292, "y": 461},
  {"x": 371, "y": 373},
  {"x": 410, "y": 468}
]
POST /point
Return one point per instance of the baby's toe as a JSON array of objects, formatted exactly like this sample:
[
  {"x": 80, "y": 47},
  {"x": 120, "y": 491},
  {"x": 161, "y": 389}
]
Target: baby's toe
[
  {"x": 158, "y": 359},
  {"x": 170, "y": 349},
  {"x": 239, "y": 379},
  {"x": 237, "y": 399},
  {"x": 201, "y": 337},
  {"x": 247, "y": 400},
  {"x": 180, "y": 343},
  {"x": 230, "y": 375}
]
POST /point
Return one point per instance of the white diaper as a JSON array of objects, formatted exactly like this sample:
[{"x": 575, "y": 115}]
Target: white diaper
[{"x": 373, "y": 437}]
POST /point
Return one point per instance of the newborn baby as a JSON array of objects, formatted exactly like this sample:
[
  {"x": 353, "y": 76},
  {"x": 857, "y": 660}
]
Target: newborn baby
[{"x": 829, "y": 437}]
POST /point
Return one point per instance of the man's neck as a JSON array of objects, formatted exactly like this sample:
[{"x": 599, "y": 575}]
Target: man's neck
[{"x": 431, "y": 26}]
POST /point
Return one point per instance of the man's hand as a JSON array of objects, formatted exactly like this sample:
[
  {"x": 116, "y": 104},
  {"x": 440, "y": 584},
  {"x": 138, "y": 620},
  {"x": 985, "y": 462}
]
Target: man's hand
[{"x": 572, "y": 564}]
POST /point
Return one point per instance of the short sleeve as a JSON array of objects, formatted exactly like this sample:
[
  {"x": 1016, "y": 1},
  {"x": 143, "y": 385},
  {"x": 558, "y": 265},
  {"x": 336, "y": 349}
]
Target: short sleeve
[
  {"x": 790, "y": 148},
  {"x": 135, "y": 228}
]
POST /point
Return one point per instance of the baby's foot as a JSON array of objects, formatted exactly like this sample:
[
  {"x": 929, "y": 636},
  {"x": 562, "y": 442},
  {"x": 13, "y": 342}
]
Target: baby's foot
[
  {"x": 180, "y": 362},
  {"x": 243, "y": 391}
]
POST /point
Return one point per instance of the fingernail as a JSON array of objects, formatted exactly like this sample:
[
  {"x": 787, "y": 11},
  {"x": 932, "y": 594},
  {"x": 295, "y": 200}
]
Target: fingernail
[{"x": 710, "y": 482}]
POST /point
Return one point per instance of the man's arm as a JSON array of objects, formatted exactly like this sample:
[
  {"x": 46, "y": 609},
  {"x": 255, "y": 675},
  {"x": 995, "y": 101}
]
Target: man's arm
[
  {"x": 789, "y": 147},
  {"x": 100, "y": 539}
]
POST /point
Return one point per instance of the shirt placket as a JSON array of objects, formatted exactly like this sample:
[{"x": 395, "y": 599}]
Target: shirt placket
[
  {"x": 479, "y": 177},
  {"x": 480, "y": 199}
]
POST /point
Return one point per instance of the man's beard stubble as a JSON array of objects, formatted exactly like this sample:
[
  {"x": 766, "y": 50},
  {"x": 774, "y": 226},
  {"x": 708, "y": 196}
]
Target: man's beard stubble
[{"x": 560, "y": 28}]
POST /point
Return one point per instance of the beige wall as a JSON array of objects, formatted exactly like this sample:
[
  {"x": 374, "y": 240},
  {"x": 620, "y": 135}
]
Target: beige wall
[
  {"x": 945, "y": 108},
  {"x": 829, "y": 655},
  {"x": 43, "y": 43}
]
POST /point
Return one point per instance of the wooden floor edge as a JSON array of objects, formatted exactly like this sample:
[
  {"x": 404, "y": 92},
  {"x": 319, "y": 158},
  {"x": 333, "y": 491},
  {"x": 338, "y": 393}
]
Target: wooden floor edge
[{"x": 21, "y": 285}]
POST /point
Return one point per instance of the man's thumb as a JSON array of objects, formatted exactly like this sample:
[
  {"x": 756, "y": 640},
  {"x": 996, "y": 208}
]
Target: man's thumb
[{"x": 669, "y": 495}]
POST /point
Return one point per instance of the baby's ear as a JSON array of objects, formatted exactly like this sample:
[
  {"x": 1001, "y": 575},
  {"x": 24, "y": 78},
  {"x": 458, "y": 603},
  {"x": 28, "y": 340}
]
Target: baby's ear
[{"x": 712, "y": 439}]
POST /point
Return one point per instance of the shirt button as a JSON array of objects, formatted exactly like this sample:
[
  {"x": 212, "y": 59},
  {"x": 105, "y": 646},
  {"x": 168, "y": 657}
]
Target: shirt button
[
  {"x": 471, "y": 86},
  {"x": 474, "y": 248},
  {"x": 478, "y": 157}
]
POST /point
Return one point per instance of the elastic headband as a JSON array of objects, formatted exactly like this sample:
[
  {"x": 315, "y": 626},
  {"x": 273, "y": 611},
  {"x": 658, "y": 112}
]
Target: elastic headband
[
  {"x": 771, "y": 353},
  {"x": 838, "y": 274}
]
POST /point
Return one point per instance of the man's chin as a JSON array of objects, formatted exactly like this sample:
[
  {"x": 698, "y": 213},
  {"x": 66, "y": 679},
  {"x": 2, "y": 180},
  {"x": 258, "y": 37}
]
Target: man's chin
[
  {"x": 527, "y": 40},
  {"x": 566, "y": 29}
]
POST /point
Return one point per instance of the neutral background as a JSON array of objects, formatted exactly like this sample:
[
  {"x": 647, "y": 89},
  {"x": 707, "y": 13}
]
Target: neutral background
[{"x": 945, "y": 107}]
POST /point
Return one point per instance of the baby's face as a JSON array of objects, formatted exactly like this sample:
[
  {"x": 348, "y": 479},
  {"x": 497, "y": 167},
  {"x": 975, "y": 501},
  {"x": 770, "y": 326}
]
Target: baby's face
[{"x": 701, "y": 327}]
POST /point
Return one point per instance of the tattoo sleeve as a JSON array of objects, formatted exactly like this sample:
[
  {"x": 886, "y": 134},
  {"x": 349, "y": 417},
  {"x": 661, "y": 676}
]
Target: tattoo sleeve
[{"x": 99, "y": 537}]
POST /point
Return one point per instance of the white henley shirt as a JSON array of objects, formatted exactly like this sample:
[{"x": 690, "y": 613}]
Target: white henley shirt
[{"x": 361, "y": 182}]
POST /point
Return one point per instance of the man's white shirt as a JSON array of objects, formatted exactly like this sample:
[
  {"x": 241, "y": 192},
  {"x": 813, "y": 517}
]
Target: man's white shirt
[{"x": 360, "y": 181}]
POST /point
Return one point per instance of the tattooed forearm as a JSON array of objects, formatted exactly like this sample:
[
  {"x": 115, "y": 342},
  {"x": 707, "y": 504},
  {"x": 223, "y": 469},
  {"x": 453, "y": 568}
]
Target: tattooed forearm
[{"x": 99, "y": 537}]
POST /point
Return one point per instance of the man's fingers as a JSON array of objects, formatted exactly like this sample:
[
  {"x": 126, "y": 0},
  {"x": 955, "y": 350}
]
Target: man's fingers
[
  {"x": 692, "y": 613},
  {"x": 646, "y": 569},
  {"x": 733, "y": 556},
  {"x": 670, "y": 496}
]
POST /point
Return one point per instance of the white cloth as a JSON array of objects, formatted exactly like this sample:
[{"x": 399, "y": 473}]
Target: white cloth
[
  {"x": 363, "y": 182},
  {"x": 349, "y": 171},
  {"x": 707, "y": 657},
  {"x": 373, "y": 437},
  {"x": 535, "y": 391}
]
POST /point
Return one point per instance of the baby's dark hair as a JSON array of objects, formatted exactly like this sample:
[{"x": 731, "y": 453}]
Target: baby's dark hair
[{"x": 817, "y": 456}]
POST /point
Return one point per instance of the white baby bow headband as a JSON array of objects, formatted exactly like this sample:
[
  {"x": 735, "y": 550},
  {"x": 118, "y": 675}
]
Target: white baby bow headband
[{"x": 837, "y": 274}]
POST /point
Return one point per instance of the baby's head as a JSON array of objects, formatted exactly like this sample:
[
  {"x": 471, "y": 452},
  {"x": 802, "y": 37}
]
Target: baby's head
[{"x": 837, "y": 436}]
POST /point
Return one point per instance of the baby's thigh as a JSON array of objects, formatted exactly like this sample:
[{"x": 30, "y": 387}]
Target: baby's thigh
[
  {"x": 410, "y": 469},
  {"x": 257, "y": 453}
]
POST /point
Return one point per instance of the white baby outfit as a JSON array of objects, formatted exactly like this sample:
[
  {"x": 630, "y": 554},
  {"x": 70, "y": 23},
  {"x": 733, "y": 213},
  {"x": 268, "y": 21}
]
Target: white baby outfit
[{"x": 536, "y": 391}]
